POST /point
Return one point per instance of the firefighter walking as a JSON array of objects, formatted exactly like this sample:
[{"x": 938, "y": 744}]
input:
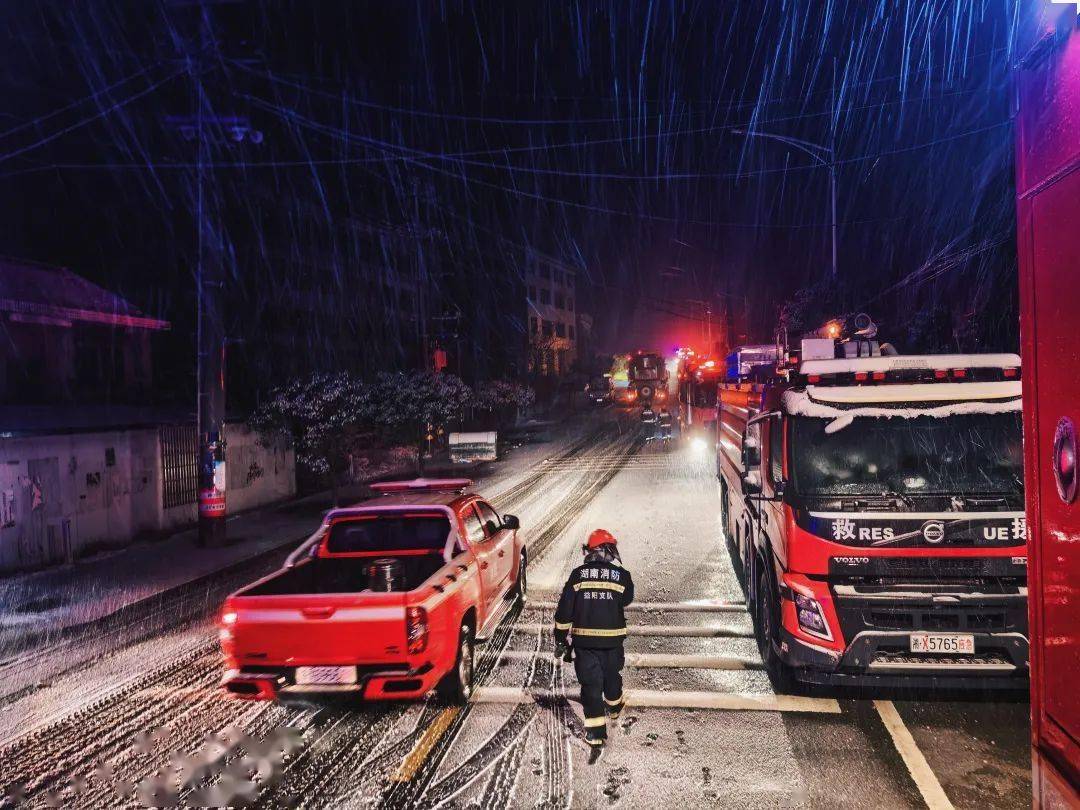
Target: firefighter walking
[{"x": 590, "y": 613}]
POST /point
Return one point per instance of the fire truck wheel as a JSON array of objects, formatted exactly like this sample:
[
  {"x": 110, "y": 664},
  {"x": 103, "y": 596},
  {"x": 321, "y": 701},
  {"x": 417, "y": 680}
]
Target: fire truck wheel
[
  {"x": 766, "y": 626},
  {"x": 517, "y": 593},
  {"x": 457, "y": 685},
  {"x": 736, "y": 562}
]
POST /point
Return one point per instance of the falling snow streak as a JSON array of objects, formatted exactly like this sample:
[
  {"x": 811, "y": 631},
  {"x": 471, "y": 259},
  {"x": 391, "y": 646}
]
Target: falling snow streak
[{"x": 386, "y": 158}]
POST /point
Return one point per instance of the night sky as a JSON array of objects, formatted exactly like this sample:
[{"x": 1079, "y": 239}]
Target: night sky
[{"x": 468, "y": 141}]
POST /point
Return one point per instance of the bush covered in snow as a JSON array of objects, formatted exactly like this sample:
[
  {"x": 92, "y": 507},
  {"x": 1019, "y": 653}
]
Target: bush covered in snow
[{"x": 339, "y": 424}]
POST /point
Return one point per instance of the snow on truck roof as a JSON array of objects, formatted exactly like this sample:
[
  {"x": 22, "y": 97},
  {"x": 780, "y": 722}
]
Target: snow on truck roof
[
  {"x": 841, "y": 413},
  {"x": 903, "y": 362}
]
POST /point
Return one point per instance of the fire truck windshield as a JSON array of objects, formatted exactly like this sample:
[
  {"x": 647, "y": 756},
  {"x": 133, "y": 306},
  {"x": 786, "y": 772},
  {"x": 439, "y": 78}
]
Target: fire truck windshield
[{"x": 969, "y": 454}]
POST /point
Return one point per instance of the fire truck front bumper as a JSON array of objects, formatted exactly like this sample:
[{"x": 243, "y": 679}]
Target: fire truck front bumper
[{"x": 883, "y": 659}]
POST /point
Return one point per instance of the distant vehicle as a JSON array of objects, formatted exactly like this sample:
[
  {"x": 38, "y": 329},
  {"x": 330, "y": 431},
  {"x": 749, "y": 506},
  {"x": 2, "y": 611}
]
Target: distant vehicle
[
  {"x": 599, "y": 389},
  {"x": 385, "y": 601},
  {"x": 872, "y": 507},
  {"x": 1047, "y": 83},
  {"x": 751, "y": 362},
  {"x": 648, "y": 376}
]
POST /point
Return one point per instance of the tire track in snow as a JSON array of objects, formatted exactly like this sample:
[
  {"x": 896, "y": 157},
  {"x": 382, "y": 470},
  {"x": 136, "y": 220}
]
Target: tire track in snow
[{"x": 409, "y": 794}]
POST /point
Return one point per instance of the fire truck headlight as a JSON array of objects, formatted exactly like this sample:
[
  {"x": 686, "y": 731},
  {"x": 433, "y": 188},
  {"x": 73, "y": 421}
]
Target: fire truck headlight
[
  {"x": 699, "y": 445},
  {"x": 811, "y": 617}
]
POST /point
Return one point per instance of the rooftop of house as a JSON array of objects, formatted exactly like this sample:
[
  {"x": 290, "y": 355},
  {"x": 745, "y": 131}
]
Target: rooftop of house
[{"x": 40, "y": 293}]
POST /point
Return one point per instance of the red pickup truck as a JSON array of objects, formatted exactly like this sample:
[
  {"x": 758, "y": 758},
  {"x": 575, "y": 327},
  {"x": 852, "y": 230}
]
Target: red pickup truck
[{"x": 384, "y": 601}]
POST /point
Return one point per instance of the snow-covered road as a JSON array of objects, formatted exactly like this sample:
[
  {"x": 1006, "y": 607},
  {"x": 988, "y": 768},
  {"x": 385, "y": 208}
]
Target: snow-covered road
[{"x": 703, "y": 728}]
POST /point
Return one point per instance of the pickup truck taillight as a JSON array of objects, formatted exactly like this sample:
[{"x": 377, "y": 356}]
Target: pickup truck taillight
[{"x": 416, "y": 628}]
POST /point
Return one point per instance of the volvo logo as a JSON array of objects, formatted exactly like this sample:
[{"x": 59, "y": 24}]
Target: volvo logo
[{"x": 933, "y": 532}]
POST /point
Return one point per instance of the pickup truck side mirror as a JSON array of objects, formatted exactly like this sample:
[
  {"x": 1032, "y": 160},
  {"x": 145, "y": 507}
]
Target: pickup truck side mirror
[
  {"x": 511, "y": 522},
  {"x": 751, "y": 483}
]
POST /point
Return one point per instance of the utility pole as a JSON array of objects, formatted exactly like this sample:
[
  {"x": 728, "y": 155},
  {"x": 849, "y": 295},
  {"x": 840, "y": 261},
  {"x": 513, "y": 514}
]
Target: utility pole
[
  {"x": 832, "y": 167},
  {"x": 210, "y": 332},
  {"x": 210, "y": 340},
  {"x": 824, "y": 155}
]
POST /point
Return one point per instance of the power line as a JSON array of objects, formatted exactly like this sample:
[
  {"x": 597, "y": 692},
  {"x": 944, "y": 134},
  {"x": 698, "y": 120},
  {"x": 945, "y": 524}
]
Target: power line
[
  {"x": 91, "y": 119},
  {"x": 92, "y": 97}
]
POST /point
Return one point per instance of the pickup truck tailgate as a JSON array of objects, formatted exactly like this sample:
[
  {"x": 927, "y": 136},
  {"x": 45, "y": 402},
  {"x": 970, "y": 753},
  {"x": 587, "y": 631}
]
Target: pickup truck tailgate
[{"x": 301, "y": 630}]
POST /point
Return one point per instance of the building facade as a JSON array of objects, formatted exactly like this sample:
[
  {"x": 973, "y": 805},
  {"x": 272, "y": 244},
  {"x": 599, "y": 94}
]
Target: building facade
[
  {"x": 551, "y": 297},
  {"x": 64, "y": 339}
]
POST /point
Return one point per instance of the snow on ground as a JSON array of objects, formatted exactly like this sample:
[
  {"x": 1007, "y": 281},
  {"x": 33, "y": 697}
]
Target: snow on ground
[{"x": 663, "y": 508}]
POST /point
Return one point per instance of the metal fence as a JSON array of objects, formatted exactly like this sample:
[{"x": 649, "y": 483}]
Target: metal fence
[{"x": 179, "y": 465}]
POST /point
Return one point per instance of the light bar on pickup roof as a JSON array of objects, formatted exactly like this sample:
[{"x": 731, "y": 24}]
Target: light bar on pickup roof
[{"x": 423, "y": 485}]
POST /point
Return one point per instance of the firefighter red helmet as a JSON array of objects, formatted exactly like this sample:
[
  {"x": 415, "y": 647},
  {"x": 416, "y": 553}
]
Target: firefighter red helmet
[{"x": 600, "y": 537}]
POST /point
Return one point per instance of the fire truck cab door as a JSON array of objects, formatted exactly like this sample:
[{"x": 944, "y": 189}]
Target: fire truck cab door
[{"x": 1055, "y": 250}]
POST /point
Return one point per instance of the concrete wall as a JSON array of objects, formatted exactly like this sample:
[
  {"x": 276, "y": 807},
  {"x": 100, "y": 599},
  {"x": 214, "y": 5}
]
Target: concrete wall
[{"x": 63, "y": 495}]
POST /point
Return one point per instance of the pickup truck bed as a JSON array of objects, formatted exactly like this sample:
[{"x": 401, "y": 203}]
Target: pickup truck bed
[{"x": 320, "y": 575}]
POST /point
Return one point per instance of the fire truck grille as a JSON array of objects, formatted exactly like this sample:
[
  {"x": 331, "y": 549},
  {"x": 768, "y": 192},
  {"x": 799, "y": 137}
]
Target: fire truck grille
[{"x": 859, "y": 614}]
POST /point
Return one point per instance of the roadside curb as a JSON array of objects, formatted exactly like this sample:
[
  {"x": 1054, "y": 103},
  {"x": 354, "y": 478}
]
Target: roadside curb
[{"x": 24, "y": 638}]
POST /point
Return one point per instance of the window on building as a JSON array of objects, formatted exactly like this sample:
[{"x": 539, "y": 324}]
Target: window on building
[
  {"x": 570, "y": 331},
  {"x": 545, "y": 296},
  {"x": 570, "y": 304},
  {"x": 534, "y": 325},
  {"x": 560, "y": 302},
  {"x": 560, "y": 330},
  {"x": 532, "y": 293},
  {"x": 547, "y": 328}
]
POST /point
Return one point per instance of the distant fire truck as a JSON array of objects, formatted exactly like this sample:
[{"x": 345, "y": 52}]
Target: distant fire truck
[
  {"x": 648, "y": 377},
  {"x": 699, "y": 379},
  {"x": 873, "y": 509}
]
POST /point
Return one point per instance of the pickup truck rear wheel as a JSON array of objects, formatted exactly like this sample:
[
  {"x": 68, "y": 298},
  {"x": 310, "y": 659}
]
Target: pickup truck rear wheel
[
  {"x": 457, "y": 685},
  {"x": 767, "y": 627}
]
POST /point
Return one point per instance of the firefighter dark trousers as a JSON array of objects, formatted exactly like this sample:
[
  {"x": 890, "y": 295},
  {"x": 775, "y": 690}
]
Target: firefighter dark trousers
[{"x": 599, "y": 671}]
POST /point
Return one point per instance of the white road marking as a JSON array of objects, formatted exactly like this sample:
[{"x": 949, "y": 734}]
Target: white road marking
[
  {"x": 669, "y": 630},
  {"x": 652, "y": 698},
  {"x": 659, "y": 660},
  {"x": 929, "y": 786},
  {"x": 702, "y": 606}
]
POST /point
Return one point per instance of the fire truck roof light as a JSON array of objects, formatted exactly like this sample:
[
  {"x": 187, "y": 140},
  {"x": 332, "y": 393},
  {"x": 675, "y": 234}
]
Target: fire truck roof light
[
  {"x": 860, "y": 376},
  {"x": 959, "y": 373}
]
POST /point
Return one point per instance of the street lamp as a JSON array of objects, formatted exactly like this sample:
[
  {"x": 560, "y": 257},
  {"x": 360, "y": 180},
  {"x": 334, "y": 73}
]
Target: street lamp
[{"x": 824, "y": 155}]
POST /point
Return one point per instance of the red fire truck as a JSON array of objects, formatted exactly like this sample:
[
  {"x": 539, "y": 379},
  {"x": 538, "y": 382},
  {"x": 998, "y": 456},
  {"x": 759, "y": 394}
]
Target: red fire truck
[
  {"x": 1048, "y": 215},
  {"x": 873, "y": 509},
  {"x": 699, "y": 378}
]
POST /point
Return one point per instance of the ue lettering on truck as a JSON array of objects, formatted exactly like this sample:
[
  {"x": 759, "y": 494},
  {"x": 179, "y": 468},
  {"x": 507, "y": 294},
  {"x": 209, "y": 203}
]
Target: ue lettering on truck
[
  {"x": 385, "y": 600},
  {"x": 873, "y": 507}
]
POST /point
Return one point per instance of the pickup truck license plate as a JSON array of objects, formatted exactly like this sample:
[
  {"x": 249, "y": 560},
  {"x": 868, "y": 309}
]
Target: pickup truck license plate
[
  {"x": 325, "y": 676},
  {"x": 951, "y": 643}
]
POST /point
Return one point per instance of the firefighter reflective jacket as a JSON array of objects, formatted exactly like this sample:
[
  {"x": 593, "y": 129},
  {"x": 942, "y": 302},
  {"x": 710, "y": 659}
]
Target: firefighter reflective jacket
[{"x": 592, "y": 602}]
